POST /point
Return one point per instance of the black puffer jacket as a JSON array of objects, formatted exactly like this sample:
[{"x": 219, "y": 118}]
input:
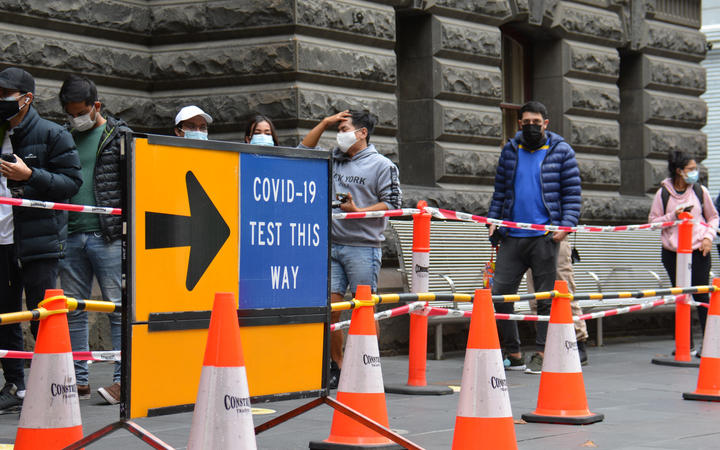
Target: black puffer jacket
[
  {"x": 49, "y": 150},
  {"x": 107, "y": 185}
]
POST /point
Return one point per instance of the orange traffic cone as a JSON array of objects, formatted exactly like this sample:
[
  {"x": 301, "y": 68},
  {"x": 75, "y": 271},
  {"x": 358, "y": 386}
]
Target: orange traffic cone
[
  {"x": 484, "y": 418},
  {"x": 562, "y": 390},
  {"x": 361, "y": 385},
  {"x": 50, "y": 416},
  {"x": 222, "y": 418},
  {"x": 708, "y": 386}
]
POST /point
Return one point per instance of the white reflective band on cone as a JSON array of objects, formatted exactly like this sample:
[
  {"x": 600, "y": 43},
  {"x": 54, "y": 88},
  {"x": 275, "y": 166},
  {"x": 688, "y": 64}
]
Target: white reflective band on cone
[
  {"x": 222, "y": 417},
  {"x": 484, "y": 391},
  {"x": 711, "y": 341},
  {"x": 51, "y": 400},
  {"x": 561, "y": 352},
  {"x": 361, "y": 371}
]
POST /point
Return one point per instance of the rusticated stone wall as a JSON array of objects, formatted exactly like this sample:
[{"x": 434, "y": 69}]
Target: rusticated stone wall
[
  {"x": 621, "y": 85},
  {"x": 661, "y": 81}
]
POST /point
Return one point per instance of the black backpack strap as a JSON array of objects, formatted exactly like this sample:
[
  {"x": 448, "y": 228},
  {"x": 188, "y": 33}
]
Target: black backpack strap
[
  {"x": 697, "y": 187},
  {"x": 665, "y": 194}
]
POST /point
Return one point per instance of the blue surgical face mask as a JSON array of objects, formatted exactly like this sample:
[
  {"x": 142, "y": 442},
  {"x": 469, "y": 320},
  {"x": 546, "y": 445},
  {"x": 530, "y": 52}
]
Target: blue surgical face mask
[
  {"x": 262, "y": 139},
  {"x": 692, "y": 177},
  {"x": 202, "y": 135}
]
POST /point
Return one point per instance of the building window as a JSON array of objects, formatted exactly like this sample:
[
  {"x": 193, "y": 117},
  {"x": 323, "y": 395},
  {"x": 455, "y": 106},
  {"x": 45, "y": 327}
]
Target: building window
[
  {"x": 682, "y": 12},
  {"x": 515, "y": 82}
]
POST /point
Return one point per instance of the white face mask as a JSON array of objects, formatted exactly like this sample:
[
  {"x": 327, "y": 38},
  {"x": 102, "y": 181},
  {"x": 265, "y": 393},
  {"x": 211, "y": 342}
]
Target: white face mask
[
  {"x": 192, "y": 134},
  {"x": 262, "y": 139},
  {"x": 346, "y": 140},
  {"x": 84, "y": 122}
]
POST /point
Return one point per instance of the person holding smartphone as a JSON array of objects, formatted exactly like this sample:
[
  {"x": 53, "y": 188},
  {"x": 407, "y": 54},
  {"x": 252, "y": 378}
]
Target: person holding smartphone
[
  {"x": 682, "y": 192},
  {"x": 39, "y": 162},
  {"x": 363, "y": 180}
]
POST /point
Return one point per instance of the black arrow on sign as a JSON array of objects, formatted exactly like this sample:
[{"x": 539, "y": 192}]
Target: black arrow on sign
[{"x": 204, "y": 231}]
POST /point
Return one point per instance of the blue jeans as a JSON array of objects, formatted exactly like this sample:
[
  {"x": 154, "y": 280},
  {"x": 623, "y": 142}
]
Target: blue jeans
[
  {"x": 88, "y": 254},
  {"x": 350, "y": 266}
]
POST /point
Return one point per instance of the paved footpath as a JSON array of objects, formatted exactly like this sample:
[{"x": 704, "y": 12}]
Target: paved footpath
[{"x": 642, "y": 403}]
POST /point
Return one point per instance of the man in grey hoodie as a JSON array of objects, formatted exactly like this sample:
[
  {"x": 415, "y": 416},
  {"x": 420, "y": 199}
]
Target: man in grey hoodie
[{"x": 364, "y": 180}]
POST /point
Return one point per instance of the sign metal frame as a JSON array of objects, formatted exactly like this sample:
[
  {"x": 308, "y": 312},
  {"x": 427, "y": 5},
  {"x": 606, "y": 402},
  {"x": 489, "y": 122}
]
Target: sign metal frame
[{"x": 178, "y": 321}]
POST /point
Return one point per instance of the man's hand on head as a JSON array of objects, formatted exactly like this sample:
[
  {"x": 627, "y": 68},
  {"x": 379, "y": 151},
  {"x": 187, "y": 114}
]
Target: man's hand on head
[{"x": 335, "y": 118}]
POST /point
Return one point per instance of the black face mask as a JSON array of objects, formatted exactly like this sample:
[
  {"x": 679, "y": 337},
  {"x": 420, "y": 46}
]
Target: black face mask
[
  {"x": 8, "y": 109},
  {"x": 533, "y": 136}
]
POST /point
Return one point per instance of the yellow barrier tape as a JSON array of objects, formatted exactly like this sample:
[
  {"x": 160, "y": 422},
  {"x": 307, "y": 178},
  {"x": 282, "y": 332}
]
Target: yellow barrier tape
[
  {"x": 91, "y": 305},
  {"x": 343, "y": 306},
  {"x": 49, "y": 299}
]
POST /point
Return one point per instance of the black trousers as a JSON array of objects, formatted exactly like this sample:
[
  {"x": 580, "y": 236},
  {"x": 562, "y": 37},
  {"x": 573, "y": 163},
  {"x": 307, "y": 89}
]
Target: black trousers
[
  {"x": 34, "y": 277},
  {"x": 699, "y": 276},
  {"x": 37, "y": 276},
  {"x": 11, "y": 337},
  {"x": 515, "y": 256}
]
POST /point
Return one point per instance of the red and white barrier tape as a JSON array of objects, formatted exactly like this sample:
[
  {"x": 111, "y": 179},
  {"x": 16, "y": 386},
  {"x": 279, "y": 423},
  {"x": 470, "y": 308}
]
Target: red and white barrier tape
[
  {"x": 465, "y": 217},
  {"x": 111, "y": 355},
  {"x": 60, "y": 206},
  {"x": 436, "y": 212},
  {"x": 434, "y": 311},
  {"x": 405, "y": 309},
  {"x": 375, "y": 214},
  {"x": 626, "y": 309},
  {"x": 534, "y": 318}
]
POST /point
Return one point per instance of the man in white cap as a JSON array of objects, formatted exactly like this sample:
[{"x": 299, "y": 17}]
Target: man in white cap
[{"x": 192, "y": 122}]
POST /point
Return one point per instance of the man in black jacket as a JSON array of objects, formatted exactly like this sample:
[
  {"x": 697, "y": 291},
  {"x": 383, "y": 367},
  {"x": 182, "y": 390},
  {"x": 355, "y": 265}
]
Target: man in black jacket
[
  {"x": 39, "y": 161},
  {"x": 94, "y": 245}
]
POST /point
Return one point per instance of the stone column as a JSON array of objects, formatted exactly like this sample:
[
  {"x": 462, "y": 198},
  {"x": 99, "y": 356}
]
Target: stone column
[
  {"x": 450, "y": 88},
  {"x": 575, "y": 76}
]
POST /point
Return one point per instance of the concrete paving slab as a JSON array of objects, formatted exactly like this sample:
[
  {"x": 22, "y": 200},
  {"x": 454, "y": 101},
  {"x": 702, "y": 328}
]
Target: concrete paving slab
[{"x": 642, "y": 403}]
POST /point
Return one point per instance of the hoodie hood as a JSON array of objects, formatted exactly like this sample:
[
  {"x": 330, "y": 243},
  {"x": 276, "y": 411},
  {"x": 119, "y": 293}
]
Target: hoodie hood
[
  {"x": 668, "y": 183},
  {"x": 367, "y": 152}
]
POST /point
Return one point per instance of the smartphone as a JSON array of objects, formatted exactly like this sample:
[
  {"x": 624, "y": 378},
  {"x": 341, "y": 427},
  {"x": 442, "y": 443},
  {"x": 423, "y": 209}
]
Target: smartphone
[
  {"x": 688, "y": 208},
  {"x": 9, "y": 157},
  {"x": 342, "y": 198}
]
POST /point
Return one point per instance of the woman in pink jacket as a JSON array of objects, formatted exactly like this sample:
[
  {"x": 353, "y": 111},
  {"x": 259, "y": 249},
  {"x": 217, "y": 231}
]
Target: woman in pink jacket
[{"x": 683, "y": 193}]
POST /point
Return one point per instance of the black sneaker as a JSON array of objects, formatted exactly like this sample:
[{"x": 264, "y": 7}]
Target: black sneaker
[
  {"x": 334, "y": 376},
  {"x": 515, "y": 363},
  {"x": 9, "y": 401},
  {"x": 534, "y": 367},
  {"x": 582, "y": 352}
]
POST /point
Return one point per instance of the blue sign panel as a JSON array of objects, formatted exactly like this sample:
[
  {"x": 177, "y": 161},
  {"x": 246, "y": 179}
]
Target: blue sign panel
[{"x": 283, "y": 232}]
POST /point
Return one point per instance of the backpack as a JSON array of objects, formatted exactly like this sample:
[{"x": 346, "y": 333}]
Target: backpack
[{"x": 697, "y": 188}]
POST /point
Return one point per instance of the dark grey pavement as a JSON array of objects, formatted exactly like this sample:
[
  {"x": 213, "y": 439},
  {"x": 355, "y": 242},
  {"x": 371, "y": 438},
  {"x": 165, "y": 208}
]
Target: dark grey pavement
[{"x": 642, "y": 403}]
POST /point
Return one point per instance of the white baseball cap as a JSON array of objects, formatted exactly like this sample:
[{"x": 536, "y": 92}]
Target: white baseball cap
[{"x": 191, "y": 111}]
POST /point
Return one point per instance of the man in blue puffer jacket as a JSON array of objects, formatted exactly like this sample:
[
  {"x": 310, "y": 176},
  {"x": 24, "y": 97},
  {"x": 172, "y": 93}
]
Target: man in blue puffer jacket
[{"x": 537, "y": 181}]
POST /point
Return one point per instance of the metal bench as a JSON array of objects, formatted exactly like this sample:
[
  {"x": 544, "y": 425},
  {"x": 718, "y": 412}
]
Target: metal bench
[{"x": 618, "y": 261}]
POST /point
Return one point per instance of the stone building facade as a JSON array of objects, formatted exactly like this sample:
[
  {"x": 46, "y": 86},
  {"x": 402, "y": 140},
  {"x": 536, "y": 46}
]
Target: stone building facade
[{"x": 621, "y": 78}]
